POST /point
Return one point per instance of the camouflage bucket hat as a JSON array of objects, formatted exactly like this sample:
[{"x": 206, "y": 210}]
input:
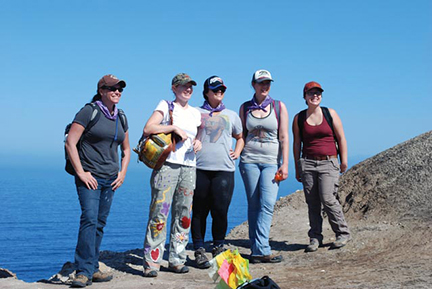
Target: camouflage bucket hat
[{"x": 181, "y": 79}]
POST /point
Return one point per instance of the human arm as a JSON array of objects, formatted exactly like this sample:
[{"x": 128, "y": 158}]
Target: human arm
[
  {"x": 296, "y": 146},
  {"x": 238, "y": 147},
  {"x": 73, "y": 138},
  {"x": 125, "y": 149},
  {"x": 154, "y": 126},
  {"x": 284, "y": 141},
  {"x": 340, "y": 136}
]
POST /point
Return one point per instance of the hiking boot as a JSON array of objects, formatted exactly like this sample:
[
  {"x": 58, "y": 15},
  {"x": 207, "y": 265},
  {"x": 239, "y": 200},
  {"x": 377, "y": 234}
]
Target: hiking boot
[
  {"x": 217, "y": 250},
  {"x": 201, "y": 260},
  {"x": 341, "y": 241},
  {"x": 266, "y": 259},
  {"x": 180, "y": 269},
  {"x": 101, "y": 277},
  {"x": 313, "y": 245},
  {"x": 80, "y": 281}
]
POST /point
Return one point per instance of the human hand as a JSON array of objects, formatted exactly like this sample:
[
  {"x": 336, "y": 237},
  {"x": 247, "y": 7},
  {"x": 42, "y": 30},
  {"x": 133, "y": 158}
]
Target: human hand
[
  {"x": 118, "y": 181},
  {"x": 343, "y": 167},
  {"x": 233, "y": 155},
  {"x": 197, "y": 145},
  {"x": 181, "y": 133},
  {"x": 87, "y": 178}
]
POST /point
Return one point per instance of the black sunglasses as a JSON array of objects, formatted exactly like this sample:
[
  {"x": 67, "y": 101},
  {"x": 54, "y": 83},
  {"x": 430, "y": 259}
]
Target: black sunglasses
[
  {"x": 219, "y": 88},
  {"x": 112, "y": 88}
]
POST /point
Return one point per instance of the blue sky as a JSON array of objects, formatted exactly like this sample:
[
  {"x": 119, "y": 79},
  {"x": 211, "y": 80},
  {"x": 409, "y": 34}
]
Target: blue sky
[{"x": 373, "y": 59}]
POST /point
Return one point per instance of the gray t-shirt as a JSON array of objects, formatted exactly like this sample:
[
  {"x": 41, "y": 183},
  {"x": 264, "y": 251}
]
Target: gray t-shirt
[
  {"x": 215, "y": 134},
  {"x": 261, "y": 144},
  {"x": 99, "y": 151}
]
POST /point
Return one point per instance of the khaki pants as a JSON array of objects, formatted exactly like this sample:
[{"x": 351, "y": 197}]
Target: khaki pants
[{"x": 320, "y": 183}]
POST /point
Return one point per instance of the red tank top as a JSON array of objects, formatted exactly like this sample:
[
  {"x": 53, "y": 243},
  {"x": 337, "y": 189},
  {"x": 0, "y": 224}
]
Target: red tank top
[{"x": 318, "y": 140}]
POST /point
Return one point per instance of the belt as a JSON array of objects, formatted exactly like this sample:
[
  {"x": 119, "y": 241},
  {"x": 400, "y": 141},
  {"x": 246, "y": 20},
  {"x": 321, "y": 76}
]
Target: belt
[{"x": 320, "y": 158}]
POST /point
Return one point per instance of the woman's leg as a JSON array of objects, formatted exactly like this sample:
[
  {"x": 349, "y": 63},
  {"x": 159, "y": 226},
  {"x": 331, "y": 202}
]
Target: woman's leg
[
  {"x": 201, "y": 207},
  {"x": 163, "y": 185},
  {"x": 106, "y": 198},
  {"x": 85, "y": 252},
  {"x": 269, "y": 191},
  {"x": 311, "y": 191},
  {"x": 328, "y": 186},
  {"x": 251, "y": 174},
  {"x": 180, "y": 218},
  {"x": 222, "y": 188}
]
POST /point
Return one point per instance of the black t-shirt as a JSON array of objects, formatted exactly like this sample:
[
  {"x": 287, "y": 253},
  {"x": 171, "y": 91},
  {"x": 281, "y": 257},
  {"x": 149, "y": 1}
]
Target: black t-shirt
[{"x": 99, "y": 151}]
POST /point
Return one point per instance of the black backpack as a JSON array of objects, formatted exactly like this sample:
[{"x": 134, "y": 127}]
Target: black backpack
[
  {"x": 326, "y": 113},
  {"x": 262, "y": 283},
  {"x": 93, "y": 120}
]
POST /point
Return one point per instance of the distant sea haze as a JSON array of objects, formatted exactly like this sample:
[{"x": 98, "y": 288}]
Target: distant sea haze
[{"x": 39, "y": 213}]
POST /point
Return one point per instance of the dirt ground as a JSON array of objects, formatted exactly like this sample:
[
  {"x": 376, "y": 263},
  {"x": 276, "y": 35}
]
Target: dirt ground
[
  {"x": 382, "y": 254},
  {"x": 387, "y": 201}
]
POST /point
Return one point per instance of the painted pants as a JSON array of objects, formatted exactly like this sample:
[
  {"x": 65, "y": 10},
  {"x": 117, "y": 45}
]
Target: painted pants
[
  {"x": 172, "y": 187},
  {"x": 320, "y": 183}
]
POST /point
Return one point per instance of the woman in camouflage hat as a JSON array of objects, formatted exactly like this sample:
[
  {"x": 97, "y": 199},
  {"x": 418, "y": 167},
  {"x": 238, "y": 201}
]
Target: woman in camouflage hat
[{"x": 173, "y": 184}]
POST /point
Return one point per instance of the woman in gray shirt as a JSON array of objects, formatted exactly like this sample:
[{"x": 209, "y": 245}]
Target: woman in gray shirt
[{"x": 263, "y": 162}]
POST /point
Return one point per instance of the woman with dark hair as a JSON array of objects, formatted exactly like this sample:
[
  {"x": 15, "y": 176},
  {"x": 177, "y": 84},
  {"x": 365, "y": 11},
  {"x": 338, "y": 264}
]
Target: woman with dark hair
[
  {"x": 97, "y": 174},
  {"x": 215, "y": 168},
  {"x": 263, "y": 162},
  {"x": 319, "y": 136},
  {"x": 173, "y": 184}
]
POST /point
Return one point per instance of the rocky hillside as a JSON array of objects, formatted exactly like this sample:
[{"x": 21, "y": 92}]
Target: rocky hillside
[{"x": 396, "y": 183}]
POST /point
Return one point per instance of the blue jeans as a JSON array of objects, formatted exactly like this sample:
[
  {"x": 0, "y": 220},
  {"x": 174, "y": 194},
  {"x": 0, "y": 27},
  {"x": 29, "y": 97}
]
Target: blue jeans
[
  {"x": 261, "y": 192},
  {"x": 95, "y": 207}
]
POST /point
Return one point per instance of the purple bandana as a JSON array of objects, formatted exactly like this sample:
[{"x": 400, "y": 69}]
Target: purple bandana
[
  {"x": 262, "y": 106},
  {"x": 207, "y": 106},
  {"x": 105, "y": 110}
]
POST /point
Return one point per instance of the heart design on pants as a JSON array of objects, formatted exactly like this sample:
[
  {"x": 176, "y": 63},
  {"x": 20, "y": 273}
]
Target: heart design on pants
[
  {"x": 185, "y": 222},
  {"x": 155, "y": 254}
]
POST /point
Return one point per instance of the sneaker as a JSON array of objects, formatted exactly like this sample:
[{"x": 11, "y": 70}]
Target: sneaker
[
  {"x": 80, "y": 281},
  {"x": 201, "y": 260},
  {"x": 313, "y": 245},
  {"x": 266, "y": 259},
  {"x": 217, "y": 250},
  {"x": 341, "y": 241},
  {"x": 101, "y": 277}
]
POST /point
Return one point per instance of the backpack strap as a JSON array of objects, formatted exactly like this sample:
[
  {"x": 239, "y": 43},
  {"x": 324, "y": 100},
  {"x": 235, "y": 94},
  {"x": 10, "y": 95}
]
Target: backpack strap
[
  {"x": 246, "y": 106},
  {"x": 122, "y": 117},
  {"x": 94, "y": 117},
  {"x": 329, "y": 119},
  {"x": 300, "y": 122}
]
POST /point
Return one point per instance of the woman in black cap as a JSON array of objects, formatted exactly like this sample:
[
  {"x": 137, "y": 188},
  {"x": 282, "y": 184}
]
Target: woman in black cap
[
  {"x": 319, "y": 136},
  {"x": 92, "y": 147},
  {"x": 215, "y": 168}
]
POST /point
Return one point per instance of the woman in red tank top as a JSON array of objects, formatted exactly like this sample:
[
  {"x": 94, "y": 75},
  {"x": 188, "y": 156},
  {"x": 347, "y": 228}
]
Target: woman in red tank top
[{"x": 318, "y": 167}]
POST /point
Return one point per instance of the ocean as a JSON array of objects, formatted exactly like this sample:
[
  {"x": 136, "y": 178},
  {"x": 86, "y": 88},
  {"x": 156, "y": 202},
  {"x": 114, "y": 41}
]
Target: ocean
[{"x": 39, "y": 215}]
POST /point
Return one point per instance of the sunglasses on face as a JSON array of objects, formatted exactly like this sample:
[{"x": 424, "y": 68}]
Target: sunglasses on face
[
  {"x": 218, "y": 89},
  {"x": 112, "y": 88}
]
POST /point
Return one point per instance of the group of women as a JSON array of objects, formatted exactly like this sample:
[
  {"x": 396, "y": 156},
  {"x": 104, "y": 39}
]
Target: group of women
[{"x": 199, "y": 174}]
